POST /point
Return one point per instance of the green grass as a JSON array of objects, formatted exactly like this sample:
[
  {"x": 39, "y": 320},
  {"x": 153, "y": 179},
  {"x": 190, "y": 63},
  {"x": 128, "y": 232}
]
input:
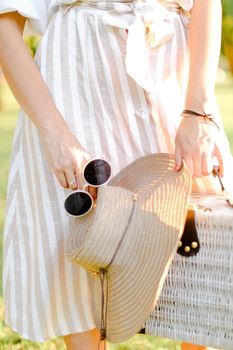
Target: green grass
[
  {"x": 225, "y": 99},
  {"x": 8, "y": 116}
]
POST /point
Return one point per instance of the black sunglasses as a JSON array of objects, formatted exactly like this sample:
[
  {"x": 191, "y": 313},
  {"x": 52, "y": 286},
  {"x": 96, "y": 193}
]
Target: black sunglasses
[{"x": 95, "y": 173}]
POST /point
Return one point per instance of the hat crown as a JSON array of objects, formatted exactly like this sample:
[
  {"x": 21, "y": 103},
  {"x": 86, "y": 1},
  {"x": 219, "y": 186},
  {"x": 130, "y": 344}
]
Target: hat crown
[{"x": 113, "y": 205}]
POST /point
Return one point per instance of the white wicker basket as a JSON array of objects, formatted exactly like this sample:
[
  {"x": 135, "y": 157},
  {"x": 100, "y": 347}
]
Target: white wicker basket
[{"x": 196, "y": 303}]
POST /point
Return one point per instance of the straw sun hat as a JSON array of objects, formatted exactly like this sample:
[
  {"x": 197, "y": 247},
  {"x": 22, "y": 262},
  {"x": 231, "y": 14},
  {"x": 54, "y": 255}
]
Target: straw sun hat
[{"x": 128, "y": 240}]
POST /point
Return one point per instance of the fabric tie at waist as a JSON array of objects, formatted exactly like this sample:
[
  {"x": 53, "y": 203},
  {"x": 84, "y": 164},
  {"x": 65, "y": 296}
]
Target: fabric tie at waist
[{"x": 149, "y": 25}]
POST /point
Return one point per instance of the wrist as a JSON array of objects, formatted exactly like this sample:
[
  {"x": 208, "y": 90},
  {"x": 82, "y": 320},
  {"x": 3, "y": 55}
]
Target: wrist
[
  {"x": 207, "y": 117},
  {"x": 200, "y": 102},
  {"x": 53, "y": 126}
]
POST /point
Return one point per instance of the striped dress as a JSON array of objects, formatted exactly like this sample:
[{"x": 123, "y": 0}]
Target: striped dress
[{"x": 121, "y": 90}]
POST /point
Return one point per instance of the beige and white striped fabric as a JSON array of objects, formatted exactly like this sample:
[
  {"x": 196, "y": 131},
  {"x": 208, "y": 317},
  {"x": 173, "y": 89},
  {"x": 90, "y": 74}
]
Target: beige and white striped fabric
[{"x": 83, "y": 57}]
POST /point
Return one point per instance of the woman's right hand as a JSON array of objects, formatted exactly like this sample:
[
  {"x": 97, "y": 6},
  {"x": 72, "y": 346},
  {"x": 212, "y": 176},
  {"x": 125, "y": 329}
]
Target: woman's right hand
[{"x": 65, "y": 155}]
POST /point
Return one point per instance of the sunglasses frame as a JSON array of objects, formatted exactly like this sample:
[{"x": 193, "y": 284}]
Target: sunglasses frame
[
  {"x": 87, "y": 163},
  {"x": 79, "y": 191},
  {"x": 86, "y": 183}
]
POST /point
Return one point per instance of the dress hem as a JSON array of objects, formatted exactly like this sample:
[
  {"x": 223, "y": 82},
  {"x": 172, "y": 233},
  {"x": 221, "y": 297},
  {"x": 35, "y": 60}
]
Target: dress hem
[{"x": 39, "y": 340}]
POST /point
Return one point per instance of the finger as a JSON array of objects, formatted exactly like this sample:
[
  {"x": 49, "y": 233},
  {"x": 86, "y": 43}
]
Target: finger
[
  {"x": 219, "y": 157},
  {"x": 80, "y": 179},
  {"x": 189, "y": 164},
  {"x": 86, "y": 158},
  {"x": 197, "y": 166},
  {"x": 207, "y": 164},
  {"x": 93, "y": 191},
  {"x": 178, "y": 159},
  {"x": 61, "y": 177},
  {"x": 71, "y": 179}
]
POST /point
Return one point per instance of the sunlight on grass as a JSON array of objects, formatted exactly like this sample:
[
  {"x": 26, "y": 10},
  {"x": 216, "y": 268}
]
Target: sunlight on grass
[{"x": 225, "y": 99}]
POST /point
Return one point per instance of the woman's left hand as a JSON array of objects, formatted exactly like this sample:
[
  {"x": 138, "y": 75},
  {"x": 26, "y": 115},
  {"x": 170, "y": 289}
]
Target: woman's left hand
[{"x": 196, "y": 144}]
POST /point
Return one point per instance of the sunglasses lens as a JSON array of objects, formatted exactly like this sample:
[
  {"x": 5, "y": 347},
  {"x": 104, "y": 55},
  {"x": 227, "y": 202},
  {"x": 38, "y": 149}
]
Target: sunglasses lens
[
  {"x": 78, "y": 203},
  {"x": 97, "y": 172}
]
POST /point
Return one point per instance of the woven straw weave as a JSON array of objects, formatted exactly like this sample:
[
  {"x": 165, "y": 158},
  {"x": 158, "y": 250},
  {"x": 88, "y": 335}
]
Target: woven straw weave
[{"x": 196, "y": 303}]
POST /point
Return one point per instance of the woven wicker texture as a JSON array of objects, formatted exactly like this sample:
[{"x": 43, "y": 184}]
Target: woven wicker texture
[
  {"x": 140, "y": 266},
  {"x": 196, "y": 303}
]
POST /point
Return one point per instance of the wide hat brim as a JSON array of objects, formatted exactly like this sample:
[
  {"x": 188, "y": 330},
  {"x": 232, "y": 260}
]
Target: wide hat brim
[{"x": 149, "y": 199}]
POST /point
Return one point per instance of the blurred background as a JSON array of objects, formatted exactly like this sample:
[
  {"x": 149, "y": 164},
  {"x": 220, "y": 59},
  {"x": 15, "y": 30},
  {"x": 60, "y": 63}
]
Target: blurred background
[{"x": 8, "y": 115}]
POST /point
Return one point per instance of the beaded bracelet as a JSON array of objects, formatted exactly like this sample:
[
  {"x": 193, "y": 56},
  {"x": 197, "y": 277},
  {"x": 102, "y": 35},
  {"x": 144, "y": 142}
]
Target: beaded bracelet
[{"x": 209, "y": 117}]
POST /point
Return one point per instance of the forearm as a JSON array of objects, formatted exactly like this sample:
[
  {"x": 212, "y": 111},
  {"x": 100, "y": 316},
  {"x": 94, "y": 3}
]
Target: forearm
[
  {"x": 24, "y": 77},
  {"x": 205, "y": 40}
]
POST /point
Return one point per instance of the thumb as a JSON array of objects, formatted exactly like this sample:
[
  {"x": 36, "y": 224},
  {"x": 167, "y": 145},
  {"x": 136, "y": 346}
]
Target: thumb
[
  {"x": 218, "y": 155},
  {"x": 93, "y": 192}
]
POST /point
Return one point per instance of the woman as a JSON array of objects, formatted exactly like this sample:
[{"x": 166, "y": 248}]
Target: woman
[{"x": 108, "y": 78}]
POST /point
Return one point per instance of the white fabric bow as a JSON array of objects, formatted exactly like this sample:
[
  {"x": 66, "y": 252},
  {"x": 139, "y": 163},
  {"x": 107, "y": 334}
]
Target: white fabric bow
[{"x": 149, "y": 25}]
